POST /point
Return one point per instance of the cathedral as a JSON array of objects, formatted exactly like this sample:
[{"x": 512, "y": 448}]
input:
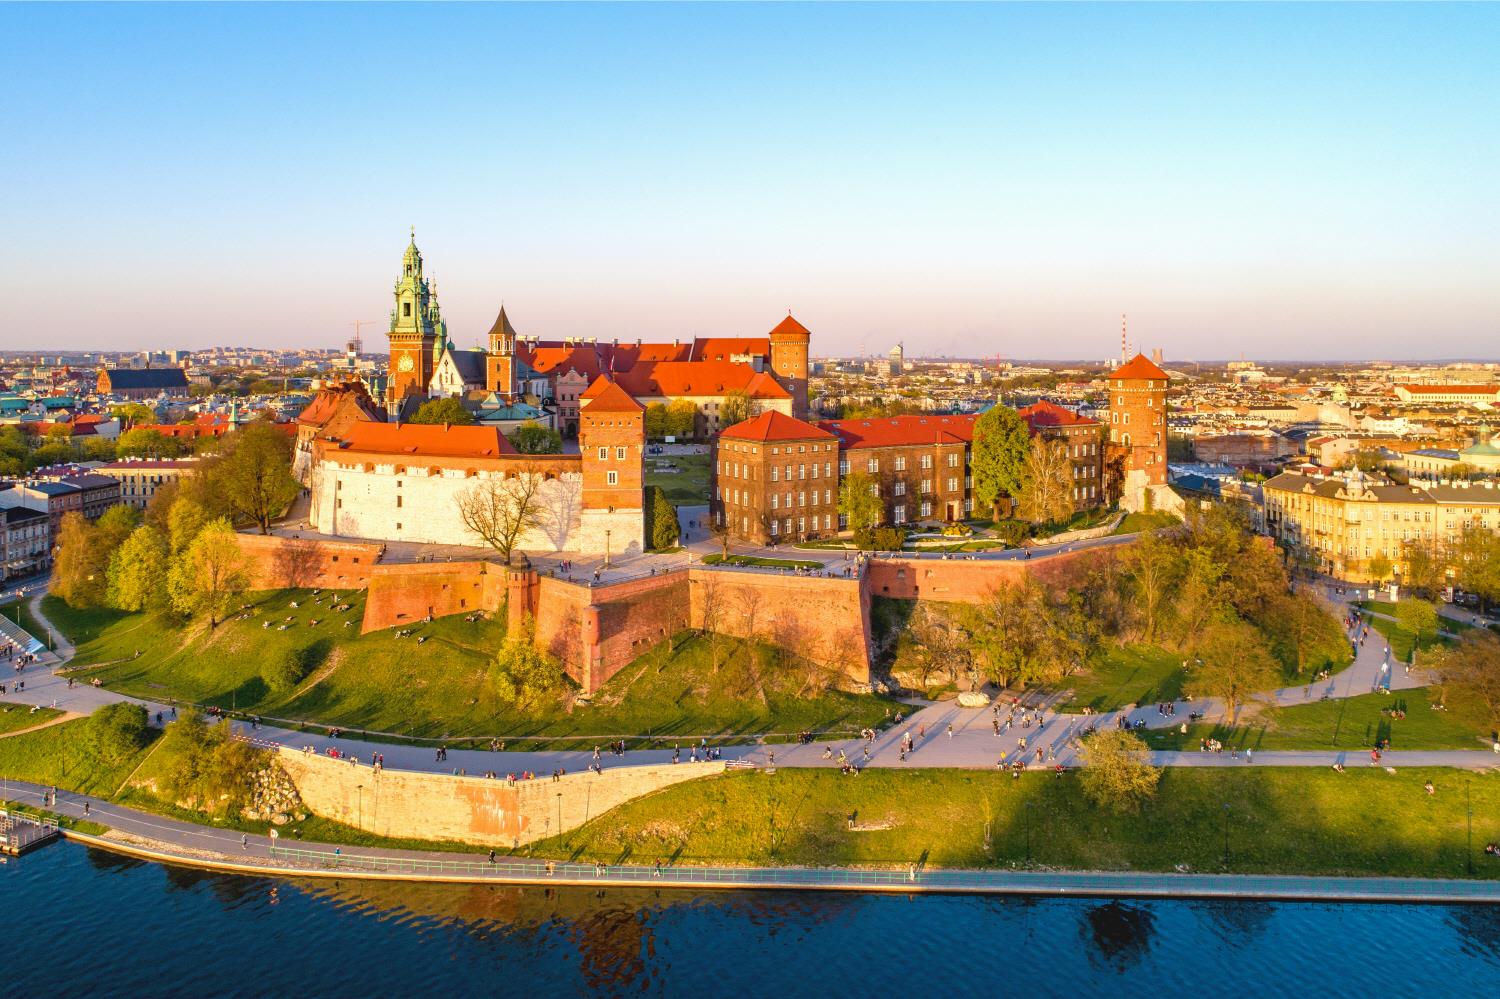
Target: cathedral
[{"x": 721, "y": 376}]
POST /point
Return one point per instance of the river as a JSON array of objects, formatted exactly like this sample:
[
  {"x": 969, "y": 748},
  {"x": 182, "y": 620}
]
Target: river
[{"x": 83, "y": 921}]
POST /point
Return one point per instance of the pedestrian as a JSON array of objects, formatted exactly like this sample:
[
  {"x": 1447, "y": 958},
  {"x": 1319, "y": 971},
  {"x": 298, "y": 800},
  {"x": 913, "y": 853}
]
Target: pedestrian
[
  {"x": 1249, "y": 755},
  {"x": 85, "y": 808},
  {"x": 244, "y": 841},
  {"x": 950, "y": 730}
]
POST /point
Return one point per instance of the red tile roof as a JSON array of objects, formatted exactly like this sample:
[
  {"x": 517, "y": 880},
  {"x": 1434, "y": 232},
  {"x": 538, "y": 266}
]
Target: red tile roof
[
  {"x": 605, "y": 396},
  {"x": 722, "y": 348},
  {"x": 651, "y": 379},
  {"x": 774, "y": 426},
  {"x": 426, "y": 440},
  {"x": 901, "y": 431},
  {"x": 1451, "y": 389},
  {"x": 790, "y": 326},
  {"x": 1050, "y": 414},
  {"x": 1139, "y": 366}
]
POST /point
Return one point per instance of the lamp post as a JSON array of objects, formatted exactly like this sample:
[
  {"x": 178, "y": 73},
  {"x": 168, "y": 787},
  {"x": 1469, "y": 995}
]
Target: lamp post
[
  {"x": 559, "y": 813},
  {"x": 606, "y": 547},
  {"x": 1226, "y": 834},
  {"x": 1469, "y": 808},
  {"x": 359, "y": 820}
]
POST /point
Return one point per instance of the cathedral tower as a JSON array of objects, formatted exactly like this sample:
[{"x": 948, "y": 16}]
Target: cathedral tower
[{"x": 417, "y": 332}]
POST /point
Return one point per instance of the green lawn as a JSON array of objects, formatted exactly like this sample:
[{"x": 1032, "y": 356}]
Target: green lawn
[
  {"x": 14, "y": 717},
  {"x": 1401, "y": 640},
  {"x": 441, "y": 689},
  {"x": 1353, "y": 723},
  {"x": 1136, "y": 674},
  {"x": 769, "y": 563},
  {"x": 1137, "y": 522},
  {"x": 59, "y": 756},
  {"x": 1281, "y": 820},
  {"x": 688, "y": 486}
]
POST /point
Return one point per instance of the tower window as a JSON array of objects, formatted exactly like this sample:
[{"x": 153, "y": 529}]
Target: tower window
[{"x": 406, "y": 308}]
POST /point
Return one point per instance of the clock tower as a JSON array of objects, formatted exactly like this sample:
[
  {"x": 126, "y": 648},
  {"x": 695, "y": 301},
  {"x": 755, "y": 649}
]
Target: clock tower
[{"x": 417, "y": 331}]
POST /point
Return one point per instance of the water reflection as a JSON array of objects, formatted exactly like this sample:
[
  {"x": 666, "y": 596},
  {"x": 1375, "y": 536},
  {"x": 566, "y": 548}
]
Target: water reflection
[
  {"x": 1237, "y": 921},
  {"x": 1121, "y": 933}
]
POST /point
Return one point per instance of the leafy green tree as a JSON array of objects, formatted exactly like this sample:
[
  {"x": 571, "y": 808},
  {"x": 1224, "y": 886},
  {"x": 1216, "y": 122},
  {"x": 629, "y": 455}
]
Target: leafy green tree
[
  {"x": 682, "y": 419},
  {"x": 1118, "y": 775},
  {"x": 117, "y": 732},
  {"x": 1379, "y": 567},
  {"x": 133, "y": 413},
  {"x": 147, "y": 442},
  {"x": 656, "y": 421},
  {"x": 663, "y": 519},
  {"x": 186, "y": 519},
  {"x": 1047, "y": 496},
  {"x": 1002, "y": 444},
  {"x": 209, "y": 574},
  {"x": 138, "y": 571},
  {"x": 1471, "y": 669},
  {"x": 1150, "y": 565},
  {"x": 205, "y": 769},
  {"x": 1477, "y": 557},
  {"x": 80, "y": 567},
  {"x": 1303, "y": 633},
  {"x": 1232, "y": 663},
  {"x": 860, "y": 503},
  {"x": 521, "y": 674},
  {"x": 446, "y": 410},
  {"x": 1021, "y": 637},
  {"x": 1418, "y": 617},
  {"x": 1424, "y": 566},
  {"x": 533, "y": 438},
  {"x": 254, "y": 474},
  {"x": 283, "y": 670}
]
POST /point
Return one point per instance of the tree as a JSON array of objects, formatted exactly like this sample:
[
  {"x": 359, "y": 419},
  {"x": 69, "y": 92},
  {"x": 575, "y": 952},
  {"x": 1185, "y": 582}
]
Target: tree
[
  {"x": 1048, "y": 493},
  {"x": 499, "y": 511},
  {"x": 138, "y": 571},
  {"x": 185, "y": 520},
  {"x": 448, "y": 410},
  {"x": 682, "y": 419},
  {"x": 662, "y": 516},
  {"x": 255, "y": 474},
  {"x": 1149, "y": 565},
  {"x": 1021, "y": 637},
  {"x": 1418, "y": 617},
  {"x": 283, "y": 670},
  {"x": 1424, "y": 566},
  {"x": 147, "y": 442},
  {"x": 533, "y": 438},
  {"x": 1303, "y": 632},
  {"x": 1477, "y": 557},
  {"x": 117, "y": 731},
  {"x": 133, "y": 413},
  {"x": 735, "y": 408},
  {"x": 1471, "y": 668},
  {"x": 859, "y": 502},
  {"x": 1232, "y": 663},
  {"x": 656, "y": 421},
  {"x": 1119, "y": 775},
  {"x": 1001, "y": 445},
  {"x": 1379, "y": 567},
  {"x": 210, "y": 573},
  {"x": 79, "y": 567},
  {"x": 205, "y": 769},
  {"x": 521, "y": 675}
]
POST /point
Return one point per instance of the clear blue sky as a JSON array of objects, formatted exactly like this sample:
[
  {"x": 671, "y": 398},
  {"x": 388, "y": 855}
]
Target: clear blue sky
[{"x": 1272, "y": 180}]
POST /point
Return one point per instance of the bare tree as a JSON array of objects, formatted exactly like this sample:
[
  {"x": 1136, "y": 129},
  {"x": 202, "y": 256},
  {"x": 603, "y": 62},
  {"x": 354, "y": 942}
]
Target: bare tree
[
  {"x": 499, "y": 510},
  {"x": 749, "y": 599},
  {"x": 710, "y": 611},
  {"x": 296, "y": 563},
  {"x": 1048, "y": 495}
]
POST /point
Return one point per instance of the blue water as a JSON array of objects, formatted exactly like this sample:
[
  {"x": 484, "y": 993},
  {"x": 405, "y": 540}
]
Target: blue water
[{"x": 80, "y": 921}]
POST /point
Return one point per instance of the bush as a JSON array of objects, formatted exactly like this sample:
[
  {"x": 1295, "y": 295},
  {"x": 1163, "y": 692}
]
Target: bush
[
  {"x": 1012, "y": 532},
  {"x": 283, "y": 671},
  {"x": 880, "y": 539},
  {"x": 117, "y": 731}
]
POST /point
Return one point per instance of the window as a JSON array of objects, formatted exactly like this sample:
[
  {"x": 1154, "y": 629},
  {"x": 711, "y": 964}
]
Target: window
[
  {"x": 802, "y": 471},
  {"x": 926, "y": 485},
  {"x": 775, "y": 473},
  {"x": 604, "y": 454},
  {"x": 901, "y": 463},
  {"x": 899, "y": 514},
  {"x": 872, "y": 465},
  {"x": 406, "y": 308},
  {"x": 953, "y": 460},
  {"x": 926, "y": 508},
  {"x": 953, "y": 485},
  {"x": 843, "y": 466},
  {"x": 775, "y": 501},
  {"x": 926, "y": 461},
  {"x": 900, "y": 489},
  {"x": 620, "y": 453},
  {"x": 613, "y": 478},
  {"x": 774, "y": 525}
]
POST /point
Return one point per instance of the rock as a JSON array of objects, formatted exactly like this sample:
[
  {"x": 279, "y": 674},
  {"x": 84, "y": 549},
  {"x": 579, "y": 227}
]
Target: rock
[
  {"x": 280, "y": 819},
  {"x": 973, "y": 699}
]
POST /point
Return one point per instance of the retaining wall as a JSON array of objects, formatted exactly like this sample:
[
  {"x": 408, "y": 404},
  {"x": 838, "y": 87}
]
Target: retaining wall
[{"x": 282, "y": 563}]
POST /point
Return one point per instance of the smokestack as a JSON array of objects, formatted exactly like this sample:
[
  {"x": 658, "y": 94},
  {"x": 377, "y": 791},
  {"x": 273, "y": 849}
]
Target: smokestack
[{"x": 1124, "y": 350}]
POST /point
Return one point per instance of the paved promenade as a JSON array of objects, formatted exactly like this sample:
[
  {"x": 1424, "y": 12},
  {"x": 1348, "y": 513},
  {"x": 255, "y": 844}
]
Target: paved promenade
[{"x": 170, "y": 841}]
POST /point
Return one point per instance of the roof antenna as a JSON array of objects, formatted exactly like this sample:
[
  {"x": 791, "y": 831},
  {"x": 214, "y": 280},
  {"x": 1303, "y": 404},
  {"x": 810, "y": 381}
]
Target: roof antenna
[{"x": 1124, "y": 351}]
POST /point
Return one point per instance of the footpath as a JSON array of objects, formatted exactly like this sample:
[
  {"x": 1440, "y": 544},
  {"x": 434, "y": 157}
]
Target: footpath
[{"x": 170, "y": 841}]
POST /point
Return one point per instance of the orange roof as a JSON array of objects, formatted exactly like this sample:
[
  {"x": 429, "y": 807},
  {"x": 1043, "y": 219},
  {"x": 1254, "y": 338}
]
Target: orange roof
[
  {"x": 722, "y": 348},
  {"x": 1451, "y": 389},
  {"x": 901, "y": 431},
  {"x": 1139, "y": 366},
  {"x": 345, "y": 403},
  {"x": 1050, "y": 414},
  {"x": 790, "y": 327},
  {"x": 561, "y": 358},
  {"x": 774, "y": 426},
  {"x": 426, "y": 440},
  {"x": 698, "y": 378},
  {"x": 605, "y": 396}
]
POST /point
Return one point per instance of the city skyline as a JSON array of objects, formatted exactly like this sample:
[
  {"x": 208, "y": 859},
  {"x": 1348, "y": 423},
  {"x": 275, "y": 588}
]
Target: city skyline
[{"x": 1288, "y": 182}]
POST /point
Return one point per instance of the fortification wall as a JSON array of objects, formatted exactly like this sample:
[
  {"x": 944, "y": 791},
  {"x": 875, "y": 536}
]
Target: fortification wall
[
  {"x": 401, "y": 594},
  {"x": 968, "y": 582},
  {"x": 281, "y": 563},
  {"x": 473, "y": 810}
]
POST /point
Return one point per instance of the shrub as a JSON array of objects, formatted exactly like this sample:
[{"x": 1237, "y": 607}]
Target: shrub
[
  {"x": 880, "y": 539},
  {"x": 117, "y": 731},
  {"x": 283, "y": 671}
]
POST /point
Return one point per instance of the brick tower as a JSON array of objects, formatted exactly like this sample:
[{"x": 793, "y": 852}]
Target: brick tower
[
  {"x": 500, "y": 365},
  {"x": 789, "y": 361},
  {"x": 1138, "y": 429},
  {"x": 612, "y": 442}
]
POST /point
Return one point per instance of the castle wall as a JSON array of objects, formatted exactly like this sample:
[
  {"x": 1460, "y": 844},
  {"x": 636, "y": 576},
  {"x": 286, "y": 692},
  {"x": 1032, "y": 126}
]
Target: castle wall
[
  {"x": 281, "y": 563},
  {"x": 403, "y": 594}
]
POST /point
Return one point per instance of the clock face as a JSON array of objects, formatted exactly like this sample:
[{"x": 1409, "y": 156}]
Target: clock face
[{"x": 406, "y": 363}]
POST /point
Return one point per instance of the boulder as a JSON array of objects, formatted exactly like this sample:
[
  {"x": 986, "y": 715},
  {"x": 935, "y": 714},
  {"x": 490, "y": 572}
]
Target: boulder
[{"x": 973, "y": 699}]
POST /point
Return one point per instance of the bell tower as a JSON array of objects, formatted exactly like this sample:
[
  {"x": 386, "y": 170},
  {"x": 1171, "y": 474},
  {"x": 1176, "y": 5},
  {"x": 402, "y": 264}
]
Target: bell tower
[
  {"x": 500, "y": 365},
  {"x": 417, "y": 328}
]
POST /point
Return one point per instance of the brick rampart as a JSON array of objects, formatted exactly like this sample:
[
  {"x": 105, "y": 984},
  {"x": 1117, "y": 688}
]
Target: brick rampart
[
  {"x": 476, "y": 810},
  {"x": 282, "y": 563},
  {"x": 968, "y": 582},
  {"x": 403, "y": 593}
]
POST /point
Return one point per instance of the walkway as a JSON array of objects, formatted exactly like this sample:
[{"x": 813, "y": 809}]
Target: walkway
[{"x": 171, "y": 841}]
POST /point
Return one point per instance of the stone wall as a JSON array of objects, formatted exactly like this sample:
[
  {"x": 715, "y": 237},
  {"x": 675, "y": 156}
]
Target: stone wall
[
  {"x": 473, "y": 810},
  {"x": 963, "y": 581},
  {"x": 401, "y": 594},
  {"x": 281, "y": 563}
]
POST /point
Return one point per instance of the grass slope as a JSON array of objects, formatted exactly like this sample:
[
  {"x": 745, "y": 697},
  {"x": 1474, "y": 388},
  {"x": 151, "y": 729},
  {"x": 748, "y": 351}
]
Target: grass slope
[
  {"x": 1280, "y": 820},
  {"x": 1135, "y": 674},
  {"x": 15, "y": 717}
]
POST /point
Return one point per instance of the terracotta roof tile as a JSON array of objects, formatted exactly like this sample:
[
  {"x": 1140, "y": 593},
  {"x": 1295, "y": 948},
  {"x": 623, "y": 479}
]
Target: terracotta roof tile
[
  {"x": 426, "y": 440},
  {"x": 608, "y": 397},
  {"x": 1139, "y": 366},
  {"x": 775, "y": 426},
  {"x": 901, "y": 431}
]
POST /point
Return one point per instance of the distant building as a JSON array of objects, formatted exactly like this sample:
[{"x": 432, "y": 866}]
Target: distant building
[
  {"x": 1479, "y": 396},
  {"x": 141, "y": 383},
  {"x": 897, "y": 361},
  {"x": 25, "y": 542},
  {"x": 140, "y": 478}
]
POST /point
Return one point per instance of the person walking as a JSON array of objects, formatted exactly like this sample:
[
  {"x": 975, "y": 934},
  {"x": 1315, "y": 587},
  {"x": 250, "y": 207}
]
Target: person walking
[{"x": 244, "y": 841}]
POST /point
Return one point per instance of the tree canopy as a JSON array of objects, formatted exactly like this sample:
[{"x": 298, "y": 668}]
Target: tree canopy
[
  {"x": 1002, "y": 444},
  {"x": 445, "y": 410}
]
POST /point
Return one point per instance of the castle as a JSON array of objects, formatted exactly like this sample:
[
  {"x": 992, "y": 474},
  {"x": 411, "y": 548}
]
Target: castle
[{"x": 768, "y": 372}]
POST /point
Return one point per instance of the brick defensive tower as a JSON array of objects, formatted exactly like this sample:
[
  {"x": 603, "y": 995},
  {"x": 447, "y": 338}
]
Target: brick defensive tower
[
  {"x": 789, "y": 342},
  {"x": 612, "y": 440},
  {"x": 1138, "y": 429}
]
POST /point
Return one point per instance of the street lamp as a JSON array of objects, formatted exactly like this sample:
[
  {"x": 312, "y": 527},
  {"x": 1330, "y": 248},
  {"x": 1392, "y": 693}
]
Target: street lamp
[
  {"x": 1469, "y": 807},
  {"x": 606, "y": 548},
  {"x": 1226, "y": 834},
  {"x": 359, "y": 821}
]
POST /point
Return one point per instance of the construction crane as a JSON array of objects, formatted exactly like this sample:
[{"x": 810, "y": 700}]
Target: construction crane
[{"x": 356, "y": 346}]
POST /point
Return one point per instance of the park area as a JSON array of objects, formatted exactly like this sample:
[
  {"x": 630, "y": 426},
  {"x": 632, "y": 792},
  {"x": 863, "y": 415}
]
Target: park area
[{"x": 683, "y": 477}]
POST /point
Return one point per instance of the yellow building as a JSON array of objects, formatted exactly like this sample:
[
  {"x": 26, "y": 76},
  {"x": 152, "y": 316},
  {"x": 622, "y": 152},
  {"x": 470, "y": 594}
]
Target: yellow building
[{"x": 1347, "y": 520}]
